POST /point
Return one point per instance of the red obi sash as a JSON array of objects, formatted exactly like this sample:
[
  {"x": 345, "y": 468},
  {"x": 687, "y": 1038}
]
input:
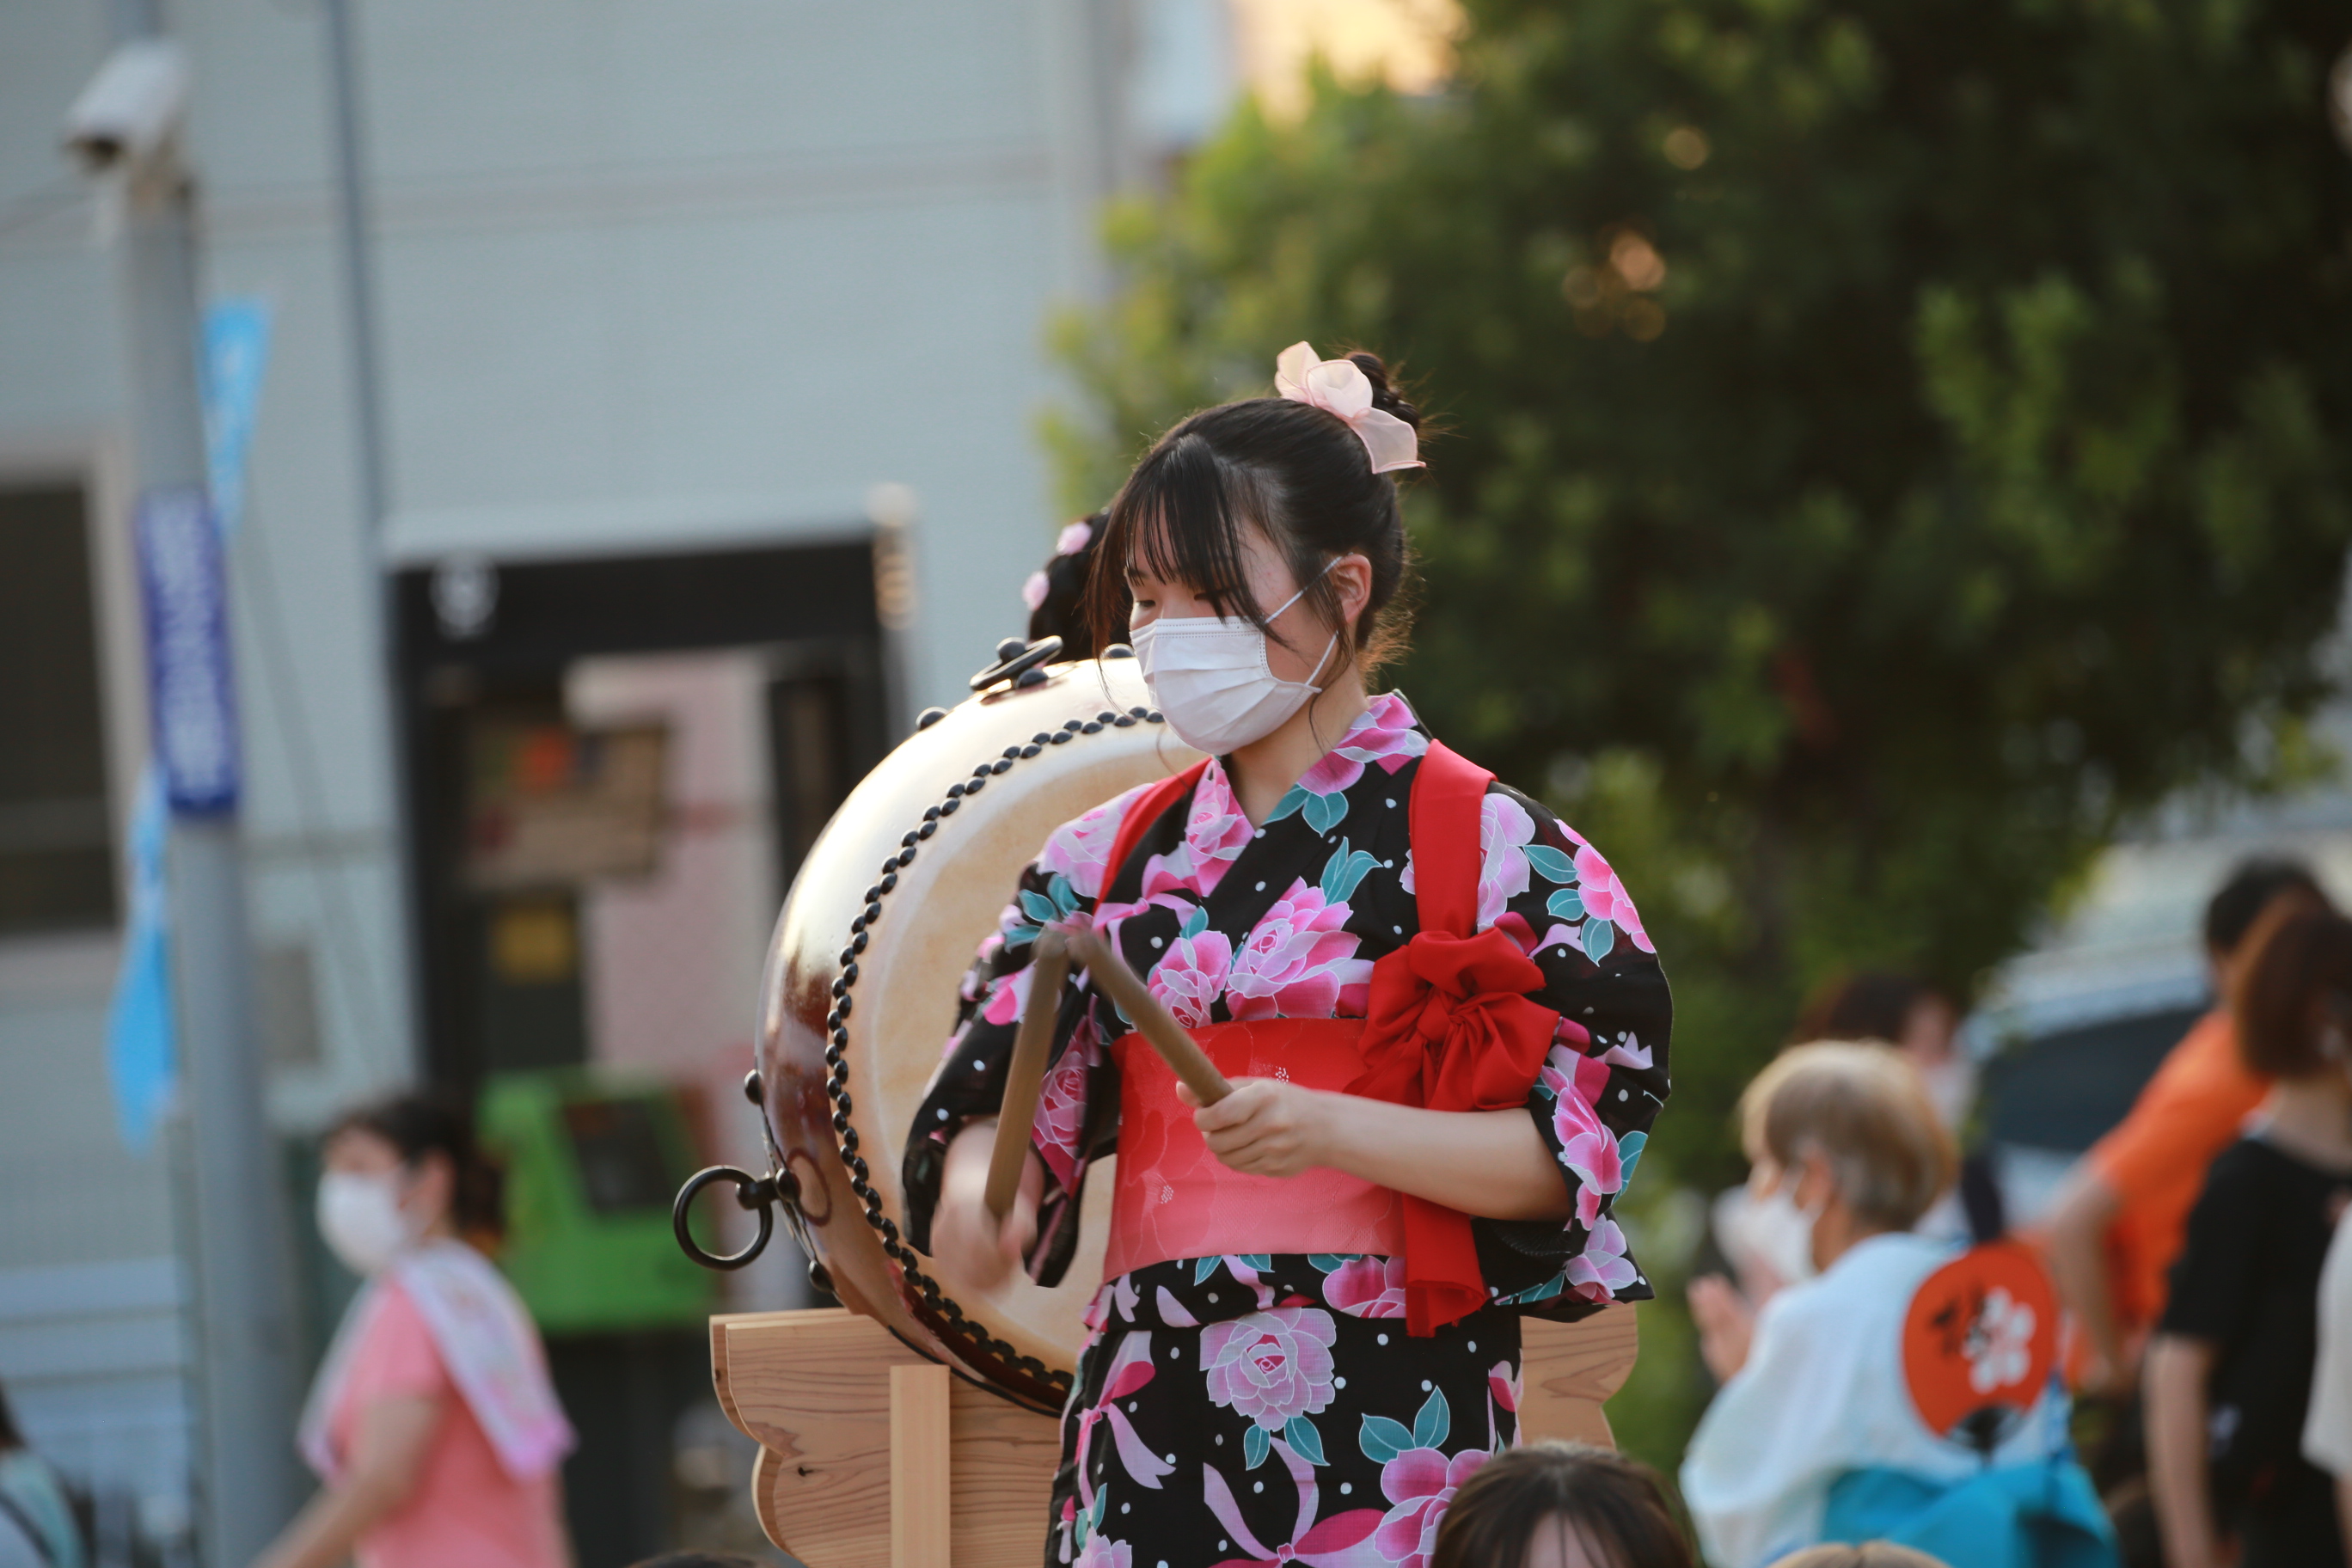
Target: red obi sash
[
  {"x": 1450, "y": 1028},
  {"x": 1175, "y": 1199}
]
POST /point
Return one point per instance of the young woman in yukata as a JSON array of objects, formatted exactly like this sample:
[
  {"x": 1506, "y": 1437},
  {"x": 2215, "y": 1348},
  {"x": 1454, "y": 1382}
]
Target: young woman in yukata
[{"x": 1446, "y": 1027}]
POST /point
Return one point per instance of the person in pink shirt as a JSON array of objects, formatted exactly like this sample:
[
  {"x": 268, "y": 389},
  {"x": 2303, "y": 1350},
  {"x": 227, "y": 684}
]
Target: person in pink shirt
[{"x": 432, "y": 1421}]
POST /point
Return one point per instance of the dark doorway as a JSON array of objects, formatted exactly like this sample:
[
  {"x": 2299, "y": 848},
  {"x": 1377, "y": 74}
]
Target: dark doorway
[
  {"x": 524, "y": 807},
  {"x": 57, "y": 855},
  {"x": 501, "y": 978}
]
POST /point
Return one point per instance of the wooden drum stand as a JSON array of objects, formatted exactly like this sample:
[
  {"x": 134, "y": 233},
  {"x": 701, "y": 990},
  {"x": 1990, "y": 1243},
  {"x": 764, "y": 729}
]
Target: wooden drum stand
[{"x": 872, "y": 1456}]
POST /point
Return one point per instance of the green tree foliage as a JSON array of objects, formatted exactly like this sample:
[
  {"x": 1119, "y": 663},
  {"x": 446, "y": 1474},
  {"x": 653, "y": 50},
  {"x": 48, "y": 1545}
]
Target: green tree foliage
[{"x": 1890, "y": 441}]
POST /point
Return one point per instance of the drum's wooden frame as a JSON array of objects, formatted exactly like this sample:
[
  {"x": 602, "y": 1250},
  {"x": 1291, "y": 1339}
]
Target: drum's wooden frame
[
  {"x": 828, "y": 990},
  {"x": 872, "y": 1455}
]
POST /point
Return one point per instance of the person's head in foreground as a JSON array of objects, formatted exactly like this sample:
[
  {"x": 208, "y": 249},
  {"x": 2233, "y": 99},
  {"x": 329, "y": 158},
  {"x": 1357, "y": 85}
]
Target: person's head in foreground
[
  {"x": 1842, "y": 1144},
  {"x": 1560, "y": 1505},
  {"x": 401, "y": 1171},
  {"x": 1866, "y": 1555}
]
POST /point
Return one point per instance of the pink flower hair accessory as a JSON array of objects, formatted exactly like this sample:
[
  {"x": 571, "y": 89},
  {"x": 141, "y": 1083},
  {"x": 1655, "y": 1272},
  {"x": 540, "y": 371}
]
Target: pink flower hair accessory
[{"x": 1339, "y": 386}]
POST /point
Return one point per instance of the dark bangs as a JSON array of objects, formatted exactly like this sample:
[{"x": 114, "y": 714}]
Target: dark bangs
[{"x": 1181, "y": 517}]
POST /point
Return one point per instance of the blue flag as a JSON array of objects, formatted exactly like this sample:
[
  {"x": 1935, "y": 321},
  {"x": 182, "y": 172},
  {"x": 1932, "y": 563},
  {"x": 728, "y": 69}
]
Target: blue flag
[{"x": 141, "y": 1054}]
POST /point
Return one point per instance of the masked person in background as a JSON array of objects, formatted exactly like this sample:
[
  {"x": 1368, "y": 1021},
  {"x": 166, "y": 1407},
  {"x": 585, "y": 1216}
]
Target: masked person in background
[
  {"x": 1916, "y": 1022},
  {"x": 432, "y": 1421},
  {"x": 1444, "y": 1023},
  {"x": 1824, "y": 1428}
]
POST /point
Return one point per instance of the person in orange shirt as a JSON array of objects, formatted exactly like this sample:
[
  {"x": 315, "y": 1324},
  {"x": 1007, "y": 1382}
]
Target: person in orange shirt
[{"x": 2118, "y": 1224}]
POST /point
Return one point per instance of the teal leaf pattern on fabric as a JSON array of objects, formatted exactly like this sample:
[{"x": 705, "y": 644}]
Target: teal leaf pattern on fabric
[
  {"x": 1325, "y": 812},
  {"x": 1435, "y": 1420},
  {"x": 1287, "y": 805},
  {"x": 1543, "y": 1293},
  {"x": 1021, "y": 936},
  {"x": 1064, "y": 896},
  {"x": 1629, "y": 1154},
  {"x": 1304, "y": 1440},
  {"x": 1568, "y": 904},
  {"x": 1204, "y": 1267},
  {"x": 1344, "y": 870},
  {"x": 1261, "y": 1261},
  {"x": 1037, "y": 906},
  {"x": 1324, "y": 1262},
  {"x": 1382, "y": 1439},
  {"x": 1554, "y": 866},
  {"x": 1600, "y": 936},
  {"x": 1256, "y": 1446},
  {"x": 1196, "y": 921}
]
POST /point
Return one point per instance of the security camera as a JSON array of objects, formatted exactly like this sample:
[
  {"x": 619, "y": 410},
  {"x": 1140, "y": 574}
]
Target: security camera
[{"x": 132, "y": 109}]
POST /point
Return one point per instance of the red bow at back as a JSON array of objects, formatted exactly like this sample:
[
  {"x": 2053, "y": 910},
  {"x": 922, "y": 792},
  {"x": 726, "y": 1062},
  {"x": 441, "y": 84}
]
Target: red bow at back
[{"x": 1449, "y": 1025}]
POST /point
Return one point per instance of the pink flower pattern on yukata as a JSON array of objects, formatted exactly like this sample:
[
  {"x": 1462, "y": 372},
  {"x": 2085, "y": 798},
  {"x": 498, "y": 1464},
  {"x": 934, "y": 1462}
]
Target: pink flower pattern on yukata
[
  {"x": 1601, "y": 1269},
  {"x": 1271, "y": 1366},
  {"x": 1419, "y": 1483},
  {"x": 1215, "y": 833},
  {"x": 1062, "y": 1104},
  {"x": 1366, "y": 1288},
  {"x": 1101, "y": 1551},
  {"x": 1008, "y": 997},
  {"x": 1384, "y": 735},
  {"x": 1587, "y": 1147},
  {"x": 1077, "y": 849},
  {"x": 1193, "y": 976},
  {"x": 1505, "y": 831},
  {"x": 1298, "y": 962},
  {"x": 1605, "y": 897}
]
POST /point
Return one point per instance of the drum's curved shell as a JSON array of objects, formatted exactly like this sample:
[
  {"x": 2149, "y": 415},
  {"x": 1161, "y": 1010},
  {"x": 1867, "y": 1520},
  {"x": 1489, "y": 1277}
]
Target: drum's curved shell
[{"x": 860, "y": 992}]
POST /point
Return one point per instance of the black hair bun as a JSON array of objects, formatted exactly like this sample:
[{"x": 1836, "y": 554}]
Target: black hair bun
[{"x": 1384, "y": 398}]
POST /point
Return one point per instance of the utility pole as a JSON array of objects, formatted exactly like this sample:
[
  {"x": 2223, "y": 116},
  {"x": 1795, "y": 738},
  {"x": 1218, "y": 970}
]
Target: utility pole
[{"x": 125, "y": 129}]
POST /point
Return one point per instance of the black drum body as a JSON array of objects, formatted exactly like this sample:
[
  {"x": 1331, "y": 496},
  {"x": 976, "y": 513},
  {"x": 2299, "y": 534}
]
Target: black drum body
[{"x": 859, "y": 996}]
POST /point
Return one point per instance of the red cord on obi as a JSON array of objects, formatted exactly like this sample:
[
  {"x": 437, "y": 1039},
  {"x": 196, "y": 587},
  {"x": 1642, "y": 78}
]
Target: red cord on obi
[{"x": 1450, "y": 1027}]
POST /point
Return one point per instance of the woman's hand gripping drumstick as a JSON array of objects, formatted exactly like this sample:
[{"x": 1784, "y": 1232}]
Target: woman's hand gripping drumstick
[
  {"x": 989, "y": 1191},
  {"x": 1259, "y": 1126}
]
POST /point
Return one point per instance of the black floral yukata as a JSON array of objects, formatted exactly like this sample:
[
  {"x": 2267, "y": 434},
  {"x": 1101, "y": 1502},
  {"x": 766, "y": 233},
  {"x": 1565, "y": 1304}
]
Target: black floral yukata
[{"x": 1272, "y": 1408}]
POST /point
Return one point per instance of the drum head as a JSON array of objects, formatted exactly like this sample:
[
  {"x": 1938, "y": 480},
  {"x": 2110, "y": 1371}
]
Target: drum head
[{"x": 860, "y": 995}]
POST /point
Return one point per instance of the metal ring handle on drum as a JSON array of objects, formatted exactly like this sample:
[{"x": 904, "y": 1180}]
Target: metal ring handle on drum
[
  {"x": 757, "y": 1194},
  {"x": 1015, "y": 660}
]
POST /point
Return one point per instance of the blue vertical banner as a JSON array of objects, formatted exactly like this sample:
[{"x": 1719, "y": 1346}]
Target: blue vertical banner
[
  {"x": 191, "y": 687},
  {"x": 141, "y": 1050},
  {"x": 236, "y": 350},
  {"x": 142, "y": 1054}
]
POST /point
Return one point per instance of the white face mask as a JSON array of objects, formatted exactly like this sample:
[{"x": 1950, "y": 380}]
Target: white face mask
[
  {"x": 1208, "y": 676},
  {"x": 360, "y": 1218},
  {"x": 1779, "y": 1233}
]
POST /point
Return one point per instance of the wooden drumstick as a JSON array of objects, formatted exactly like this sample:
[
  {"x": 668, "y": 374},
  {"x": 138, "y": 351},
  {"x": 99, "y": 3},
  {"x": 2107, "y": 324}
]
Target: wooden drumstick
[
  {"x": 1151, "y": 1018},
  {"x": 1049, "y": 969}
]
